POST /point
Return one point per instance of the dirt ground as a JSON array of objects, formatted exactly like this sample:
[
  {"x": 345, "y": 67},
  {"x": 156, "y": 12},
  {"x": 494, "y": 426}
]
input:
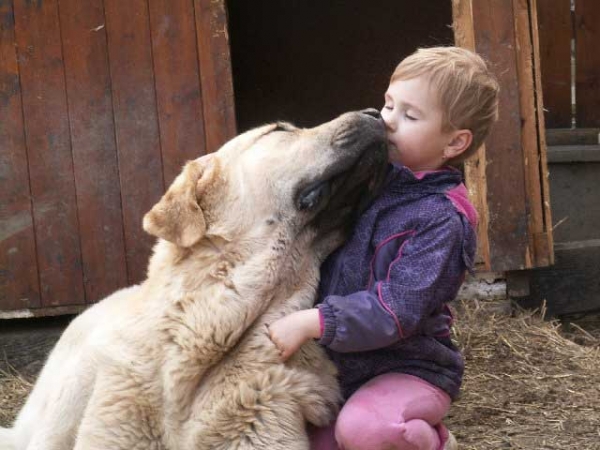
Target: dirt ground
[{"x": 529, "y": 383}]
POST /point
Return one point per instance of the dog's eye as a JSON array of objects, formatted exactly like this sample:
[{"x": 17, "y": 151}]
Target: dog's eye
[{"x": 312, "y": 195}]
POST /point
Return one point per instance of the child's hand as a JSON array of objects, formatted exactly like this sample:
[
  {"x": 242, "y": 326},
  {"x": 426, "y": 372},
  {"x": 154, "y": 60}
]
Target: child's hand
[{"x": 290, "y": 332}]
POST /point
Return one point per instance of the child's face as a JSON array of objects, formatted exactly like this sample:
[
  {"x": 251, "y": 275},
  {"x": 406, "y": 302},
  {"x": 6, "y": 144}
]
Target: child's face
[{"x": 413, "y": 118}]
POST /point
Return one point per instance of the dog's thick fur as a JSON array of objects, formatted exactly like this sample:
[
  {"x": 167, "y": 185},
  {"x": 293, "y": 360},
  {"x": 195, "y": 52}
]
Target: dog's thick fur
[{"x": 184, "y": 361}]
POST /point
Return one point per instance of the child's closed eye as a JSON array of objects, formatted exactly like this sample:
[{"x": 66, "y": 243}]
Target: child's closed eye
[{"x": 409, "y": 116}]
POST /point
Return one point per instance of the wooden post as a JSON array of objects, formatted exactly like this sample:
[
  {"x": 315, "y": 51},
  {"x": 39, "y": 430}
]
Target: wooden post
[
  {"x": 464, "y": 35},
  {"x": 508, "y": 178}
]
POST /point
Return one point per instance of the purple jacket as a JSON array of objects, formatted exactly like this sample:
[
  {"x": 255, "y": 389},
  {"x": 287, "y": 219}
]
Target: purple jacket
[{"x": 383, "y": 295}]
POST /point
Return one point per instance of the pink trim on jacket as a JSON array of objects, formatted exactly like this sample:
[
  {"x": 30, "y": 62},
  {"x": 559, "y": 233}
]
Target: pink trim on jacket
[
  {"x": 321, "y": 323},
  {"x": 459, "y": 196},
  {"x": 381, "y": 244},
  {"x": 387, "y": 278},
  {"x": 420, "y": 174},
  {"x": 387, "y": 308}
]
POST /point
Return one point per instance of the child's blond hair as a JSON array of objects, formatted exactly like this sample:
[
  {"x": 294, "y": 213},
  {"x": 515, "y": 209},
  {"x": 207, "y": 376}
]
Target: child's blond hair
[{"x": 467, "y": 90}]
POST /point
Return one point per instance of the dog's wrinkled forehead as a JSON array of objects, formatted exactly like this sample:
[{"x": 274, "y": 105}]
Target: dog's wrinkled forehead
[{"x": 247, "y": 140}]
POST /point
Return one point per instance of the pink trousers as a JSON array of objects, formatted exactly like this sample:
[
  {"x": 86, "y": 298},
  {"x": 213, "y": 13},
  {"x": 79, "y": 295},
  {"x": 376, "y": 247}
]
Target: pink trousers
[{"x": 391, "y": 412}]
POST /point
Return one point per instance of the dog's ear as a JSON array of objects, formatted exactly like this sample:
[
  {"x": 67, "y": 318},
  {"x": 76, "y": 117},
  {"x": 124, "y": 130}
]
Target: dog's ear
[{"x": 177, "y": 217}]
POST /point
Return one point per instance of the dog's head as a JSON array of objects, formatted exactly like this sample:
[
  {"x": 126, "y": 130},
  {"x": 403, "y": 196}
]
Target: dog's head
[{"x": 315, "y": 178}]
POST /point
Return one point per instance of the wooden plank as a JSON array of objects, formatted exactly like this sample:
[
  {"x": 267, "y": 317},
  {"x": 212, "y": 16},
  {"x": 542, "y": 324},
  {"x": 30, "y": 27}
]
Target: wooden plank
[
  {"x": 464, "y": 36},
  {"x": 538, "y": 250},
  {"x": 574, "y": 153},
  {"x": 587, "y": 29},
  {"x": 94, "y": 147},
  {"x": 556, "y": 30},
  {"x": 50, "y": 162},
  {"x": 43, "y": 312},
  {"x": 506, "y": 189},
  {"x": 178, "y": 90},
  {"x": 572, "y": 194},
  {"x": 19, "y": 285},
  {"x": 573, "y": 136},
  {"x": 136, "y": 124},
  {"x": 462, "y": 23},
  {"x": 572, "y": 283},
  {"x": 215, "y": 72},
  {"x": 546, "y": 238},
  {"x": 571, "y": 286},
  {"x": 529, "y": 143}
]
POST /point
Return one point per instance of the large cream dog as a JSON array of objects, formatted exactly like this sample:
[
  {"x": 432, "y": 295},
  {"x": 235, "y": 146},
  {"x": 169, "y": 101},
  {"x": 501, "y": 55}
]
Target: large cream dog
[{"x": 184, "y": 361}]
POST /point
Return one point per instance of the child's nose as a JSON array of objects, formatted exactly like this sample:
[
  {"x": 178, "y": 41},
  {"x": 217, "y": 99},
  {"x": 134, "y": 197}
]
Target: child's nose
[{"x": 387, "y": 120}]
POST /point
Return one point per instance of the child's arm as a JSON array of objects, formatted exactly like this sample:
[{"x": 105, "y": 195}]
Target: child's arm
[
  {"x": 290, "y": 332},
  {"x": 425, "y": 274}
]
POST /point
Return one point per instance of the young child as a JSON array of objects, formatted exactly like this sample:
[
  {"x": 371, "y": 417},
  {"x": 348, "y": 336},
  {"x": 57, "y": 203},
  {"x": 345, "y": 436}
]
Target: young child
[{"x": 382, "y": 311}]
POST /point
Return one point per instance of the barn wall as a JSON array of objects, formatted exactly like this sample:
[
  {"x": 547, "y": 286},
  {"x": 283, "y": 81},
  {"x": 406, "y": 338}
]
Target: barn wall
[
  {"x": 569, "y": 58},
  {"x": 101, "y": 103}
]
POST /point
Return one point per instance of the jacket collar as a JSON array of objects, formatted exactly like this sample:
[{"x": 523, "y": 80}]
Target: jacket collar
[{"x": 403, "y": 180}]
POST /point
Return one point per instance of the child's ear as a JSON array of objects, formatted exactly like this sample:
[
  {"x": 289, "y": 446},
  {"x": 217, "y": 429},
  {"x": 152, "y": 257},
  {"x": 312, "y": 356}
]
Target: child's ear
[{"x": 459, "y": 142}]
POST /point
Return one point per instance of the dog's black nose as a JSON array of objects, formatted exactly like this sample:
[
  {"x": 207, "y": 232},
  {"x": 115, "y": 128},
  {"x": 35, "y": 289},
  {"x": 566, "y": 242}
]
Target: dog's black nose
[{"x": 372, "y": 112}]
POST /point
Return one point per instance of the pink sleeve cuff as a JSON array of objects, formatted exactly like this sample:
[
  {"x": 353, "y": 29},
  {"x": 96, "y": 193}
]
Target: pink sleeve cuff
[{"x": 321, "y": 324}]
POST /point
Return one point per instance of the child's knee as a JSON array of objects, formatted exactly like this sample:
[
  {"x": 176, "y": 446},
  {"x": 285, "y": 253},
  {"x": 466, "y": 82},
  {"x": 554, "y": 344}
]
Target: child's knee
[
  {"x": 356, "y": 431},
  {"x": 363, "y": 430}
]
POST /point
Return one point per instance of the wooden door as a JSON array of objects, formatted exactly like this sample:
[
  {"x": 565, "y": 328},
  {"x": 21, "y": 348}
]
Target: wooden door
[{"x": 101, "y": 103}]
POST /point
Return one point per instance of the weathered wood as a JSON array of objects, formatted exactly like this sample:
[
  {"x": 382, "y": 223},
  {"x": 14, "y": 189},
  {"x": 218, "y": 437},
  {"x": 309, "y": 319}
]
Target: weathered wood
[
  {"x": 574, "y": 153},
  {"x": 178, "y": 89},
  {"x": 575, "y": 203},
  {"x": 543, "y": 240},
  {"x": 464, "y": 36},
  {"x": 19, "y": 286},
  {"x": 528, "y": 124},
  {"x": 573, "y": 136},
  {"x": 516, "y": 229},
  {"x": 571, "y": 286},
  {"x": 94, "y": 147},
  {"x": 49, "y": 151},
  {"x": 42, "y": 312},
  {"x": 506, "y": 186},
  {"x": 462, "y": 23},
  {"x": 587, "y": 29},
  {"x": 136, "y": 124},
  {"x": 215, "y": 72},
  {"x": 556, "y": 30},
  {"x": 539, "y": 251}
]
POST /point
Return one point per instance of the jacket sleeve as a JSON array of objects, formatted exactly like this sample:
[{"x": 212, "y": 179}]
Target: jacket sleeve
[{"x": 427, "y": 272}]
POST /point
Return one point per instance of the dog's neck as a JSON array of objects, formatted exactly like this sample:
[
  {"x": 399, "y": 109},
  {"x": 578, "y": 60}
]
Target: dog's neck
[{"x": 231, "y": 262}]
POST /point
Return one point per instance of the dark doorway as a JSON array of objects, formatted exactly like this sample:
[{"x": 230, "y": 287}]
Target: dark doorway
[{"x": 306, "y": 61}]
